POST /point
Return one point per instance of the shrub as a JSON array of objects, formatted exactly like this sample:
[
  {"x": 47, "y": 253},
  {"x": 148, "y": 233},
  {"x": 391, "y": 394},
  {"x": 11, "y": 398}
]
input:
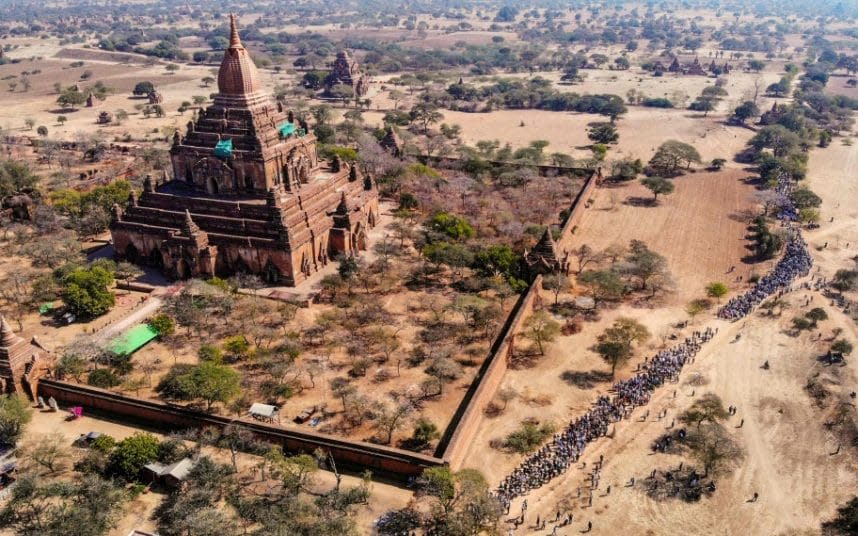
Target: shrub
[
  {"x": 131, "y": 454},
  {"x": 659, "y": 102},
  {"x": 103, "y": 378},
  {"x": 529, "y": 436}
]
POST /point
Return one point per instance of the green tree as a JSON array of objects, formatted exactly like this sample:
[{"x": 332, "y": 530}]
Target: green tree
[
  {"x": 71, "y": 97},
  {"x": 528, "y": 436},
  {"x": 461, "y": 501},
  {"x": 816, "y": 315},
  {"x": 425, "y": 432},
  {"x": 15, "y": 413},
  {"x": 645, "y": 264},
  {"x": 426, "y": 114},
  {"x": 604, "y": 285},
  {"x": 804, "y": 198},
  {"x": 603, "y": 133},
  {"x": 658, "y": 186},
  {"x": 717, "y": 164},
  {"x": 615, "y": 345},
  {"x": 85, "y": 291},
  {"x": 212, "y": 383},
  {"x": 143, "y": 88},
  {"x": 16, "y": 177},
  {"x": 131, "y": 454},
  {"x": 778, "y": 138},
  {"x": 706, "y": 408},
  {"x": 842, "y": 346},
  {"x": 672, "y": 156},
  {"x": 717, "y": 290},
  {"x": 85, "y": 506},
  {"x": 163, "y": 324},
  {"x": 456, "y": 227},
  {"x": 237, "y": 346},
  {"x": 540, "y": 328},
  {"x": 745, "y": 111}
]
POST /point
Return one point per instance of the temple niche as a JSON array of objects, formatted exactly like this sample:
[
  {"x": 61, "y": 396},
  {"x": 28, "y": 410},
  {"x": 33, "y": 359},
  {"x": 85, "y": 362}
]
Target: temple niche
[
  {"x": 346, "y": 71},
  {"x": 248, "y": 193}
]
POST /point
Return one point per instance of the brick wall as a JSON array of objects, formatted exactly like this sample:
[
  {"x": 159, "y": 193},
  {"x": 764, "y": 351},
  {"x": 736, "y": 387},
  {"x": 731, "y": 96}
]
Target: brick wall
[
  {"x": 459, "y": 434},
  {"x": 350, "y": 455}
]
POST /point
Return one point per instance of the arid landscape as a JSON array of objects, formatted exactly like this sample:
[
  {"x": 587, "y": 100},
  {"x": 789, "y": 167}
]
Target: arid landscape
[{"x": 348, "y": 268}]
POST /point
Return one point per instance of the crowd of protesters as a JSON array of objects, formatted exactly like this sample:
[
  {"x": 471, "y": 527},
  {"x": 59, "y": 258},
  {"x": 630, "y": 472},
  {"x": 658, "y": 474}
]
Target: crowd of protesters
[
  {"x": 796, "y": 262},
  {"x": 566, "y": 446}
]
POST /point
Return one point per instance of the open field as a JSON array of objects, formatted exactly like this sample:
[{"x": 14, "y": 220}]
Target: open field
[
  {"x": 788, "y": 457},
  {"x": 699, "y": 229}
]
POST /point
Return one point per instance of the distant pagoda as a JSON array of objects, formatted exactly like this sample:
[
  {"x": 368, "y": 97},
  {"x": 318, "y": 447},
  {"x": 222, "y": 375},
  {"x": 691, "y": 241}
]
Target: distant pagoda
[
  {"x": 248, "y": 194},
  {"x": 347, "y": 71},
  {"x": 543, "y": 258}
]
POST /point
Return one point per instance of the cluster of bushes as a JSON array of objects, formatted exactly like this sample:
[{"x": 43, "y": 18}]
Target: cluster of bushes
[
  {"x": 766, "y": 244},
  {"x": 445, "y": 244},
  {"x": 536, "y": 93},
  {"x": 89, "y": 212}
]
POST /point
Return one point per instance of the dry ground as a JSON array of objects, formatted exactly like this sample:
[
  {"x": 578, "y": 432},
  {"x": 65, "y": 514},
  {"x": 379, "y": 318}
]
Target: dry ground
[
  {"x": 700, "y": 228},
  {"x": 788, "y": 451},
  {"x": 696, "y": 228},
  {"x": 39, "y": 103},
  {"x": 138, "y": 512}
]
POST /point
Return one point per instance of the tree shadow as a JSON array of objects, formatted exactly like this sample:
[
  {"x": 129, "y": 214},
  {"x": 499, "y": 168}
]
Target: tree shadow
[
  {"x": 640, "y": 201},
  {"x": 745, "y": 216},
  {"x": 585, "y": 379}
]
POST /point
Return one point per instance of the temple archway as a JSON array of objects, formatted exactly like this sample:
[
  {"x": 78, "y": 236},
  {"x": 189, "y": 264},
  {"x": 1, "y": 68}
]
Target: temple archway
[
  {"x": 131, "y": 254},
  {"x": 303, "y": 171},
  {"x": 272, "y": 274},
  {"x": 183, "y": 269},
  {"x": 155, "y": 258},
  {"x": 211, "y": 186}
]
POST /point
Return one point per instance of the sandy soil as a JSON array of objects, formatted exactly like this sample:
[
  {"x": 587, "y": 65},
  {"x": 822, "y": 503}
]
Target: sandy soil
[
  {"x": 788, "y": 452},
  {"x": 700, "y": 228}
]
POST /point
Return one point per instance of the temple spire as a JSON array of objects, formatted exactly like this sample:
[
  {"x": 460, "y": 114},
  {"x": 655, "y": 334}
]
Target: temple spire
[
  {"x": 7, "y": 335},
  {"x": 234, "y": 39},
  {"x": 190, "y": 228}
]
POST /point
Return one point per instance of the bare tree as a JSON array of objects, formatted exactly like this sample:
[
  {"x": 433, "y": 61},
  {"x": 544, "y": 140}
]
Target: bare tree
[{"x": 391, "y": 417}]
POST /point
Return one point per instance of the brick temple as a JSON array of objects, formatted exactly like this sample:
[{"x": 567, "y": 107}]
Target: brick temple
[
  {"x": 22, "y": 361},
  {"x": 248, "y": 193},
  {"x": 346, "y": 70}
]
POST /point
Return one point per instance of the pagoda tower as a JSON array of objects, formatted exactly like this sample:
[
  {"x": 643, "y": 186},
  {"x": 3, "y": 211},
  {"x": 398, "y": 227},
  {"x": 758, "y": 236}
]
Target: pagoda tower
[{"x": 248, "y": 192}]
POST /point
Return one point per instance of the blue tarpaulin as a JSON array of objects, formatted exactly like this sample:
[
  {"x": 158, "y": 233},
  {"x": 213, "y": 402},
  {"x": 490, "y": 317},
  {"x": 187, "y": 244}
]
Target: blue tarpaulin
[
  {"x": 287, "y": 129},
  {"x": 223, "y": 149}
]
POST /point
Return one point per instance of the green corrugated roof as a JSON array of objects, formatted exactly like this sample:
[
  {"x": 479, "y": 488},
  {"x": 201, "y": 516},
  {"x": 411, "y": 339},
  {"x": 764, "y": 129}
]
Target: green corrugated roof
[
  {"x": 133, "y": 339},
  {"x": 223, "y": 149}
]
